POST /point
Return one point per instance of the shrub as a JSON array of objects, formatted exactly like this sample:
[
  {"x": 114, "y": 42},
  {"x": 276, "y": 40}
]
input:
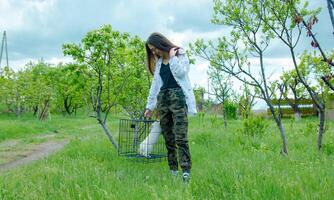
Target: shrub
[
  {"x": 230, "y": 110},
  {"x": 254, "y": 125}
]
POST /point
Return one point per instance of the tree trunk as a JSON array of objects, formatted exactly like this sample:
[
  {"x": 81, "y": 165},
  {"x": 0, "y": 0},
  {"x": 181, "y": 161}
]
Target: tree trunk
[
  {"x": 298, "y": 116},
  {"x": 97, "y": 108},
  {"x": 225, "y": 122},
  {"x": 327, "y": 82},
  {"x": 321, "y": 128},
  {"x": 278, "y": 121},
  {"x": 330, "y": 7},
  {"x": 18, "y": 109},
  {"x": 296, "y": 109},
  {"x": 35, "y": 109},
  {"x": 17, "y": 104},
  {"x": 108, "y": 133},
  {"x": 224, "y": 116},
  {"x": 277, "y": 117},
  {"x": 44, "y": 112},
  {"x": 282, "y": 132},
  {"x": 316, "y": 99},
  {"x": 67, "y": 105}
]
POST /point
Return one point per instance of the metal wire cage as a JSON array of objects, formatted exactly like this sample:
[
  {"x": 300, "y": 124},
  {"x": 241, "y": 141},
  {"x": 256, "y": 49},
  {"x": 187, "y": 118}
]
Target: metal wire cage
[{"x": 134, "y": 134}]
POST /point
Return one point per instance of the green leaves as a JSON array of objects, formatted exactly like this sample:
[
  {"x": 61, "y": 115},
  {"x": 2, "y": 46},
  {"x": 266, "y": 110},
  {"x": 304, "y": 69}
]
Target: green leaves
[
  {"x": 108, "y": 70},
  {"x": 116, "y": 64}
]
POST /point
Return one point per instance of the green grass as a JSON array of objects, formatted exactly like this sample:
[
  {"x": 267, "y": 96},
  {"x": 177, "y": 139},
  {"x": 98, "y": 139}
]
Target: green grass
[
  {"x": 12, "y": 127},
  {"x": 226, "y": 165}
]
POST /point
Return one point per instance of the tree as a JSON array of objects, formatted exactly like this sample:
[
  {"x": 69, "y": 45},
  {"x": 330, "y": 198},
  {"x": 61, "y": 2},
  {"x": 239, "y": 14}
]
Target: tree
[
  {"x": 111, "y": 68},
  {"x": 221, "y": 86},
  {"x": 11, "y": 91},
  {"x": 275, "y": 16},
  {"x": 69, "y": 84},
  {"x": 42, "y": 88},
  {"x": 199, "y": 96},
  {"x": 37, "y": 88},
  {"x": 292, "y": 85},
  {"x": 247, "y": 100},
  {"x": 134, "y": 93},
  {"x": 247, "y": 34}
]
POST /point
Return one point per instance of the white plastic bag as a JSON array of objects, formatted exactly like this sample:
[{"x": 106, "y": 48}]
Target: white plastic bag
[{"x": 146, "y": 147}]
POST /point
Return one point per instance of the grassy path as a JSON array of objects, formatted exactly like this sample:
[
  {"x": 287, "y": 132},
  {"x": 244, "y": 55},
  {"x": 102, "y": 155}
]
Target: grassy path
[{"x": 39, "y": 151}]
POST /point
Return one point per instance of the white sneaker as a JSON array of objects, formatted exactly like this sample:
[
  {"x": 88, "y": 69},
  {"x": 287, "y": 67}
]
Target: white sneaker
[
  {"x": 174, "y": 172},
  {"x": 186, "y": 177}
]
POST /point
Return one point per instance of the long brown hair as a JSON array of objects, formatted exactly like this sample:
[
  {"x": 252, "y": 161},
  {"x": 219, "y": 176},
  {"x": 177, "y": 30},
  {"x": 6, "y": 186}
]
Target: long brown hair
[{"x": 160, "y": 42}]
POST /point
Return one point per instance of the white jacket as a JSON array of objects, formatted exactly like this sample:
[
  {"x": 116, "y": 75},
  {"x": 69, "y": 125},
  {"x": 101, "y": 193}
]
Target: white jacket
[{"x": 179, "y": 66}]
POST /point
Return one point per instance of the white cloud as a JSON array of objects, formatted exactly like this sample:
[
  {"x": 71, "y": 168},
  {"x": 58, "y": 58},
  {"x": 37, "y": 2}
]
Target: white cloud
[
  {"x": 21, "y": 15},
  {"x": 11, "y": 18},
  {"x": 56, "y": 60},
  {"x": 19, "y": 64},
  {"x": 273, "y": 66},
  {"x": 185, "y": 37},
  {"x": 198, "y": 74},
  {"x": 41, "y": 6},
  {"x": 171, "y": 19}
]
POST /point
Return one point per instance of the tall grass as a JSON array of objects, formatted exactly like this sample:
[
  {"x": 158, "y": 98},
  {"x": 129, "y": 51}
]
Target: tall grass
[{"x": 227, "y": 164}]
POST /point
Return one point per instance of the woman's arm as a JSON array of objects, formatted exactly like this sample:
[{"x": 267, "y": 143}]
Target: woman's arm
[{"x": 152, "y": 97}]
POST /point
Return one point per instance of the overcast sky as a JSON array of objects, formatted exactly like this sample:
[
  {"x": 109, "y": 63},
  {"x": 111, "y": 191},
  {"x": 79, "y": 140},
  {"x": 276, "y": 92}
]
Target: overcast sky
[{"x": 38, "y": 28}]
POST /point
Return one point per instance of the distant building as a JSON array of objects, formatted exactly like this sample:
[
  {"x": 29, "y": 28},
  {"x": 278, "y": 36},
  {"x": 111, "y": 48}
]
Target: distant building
[{"x": 306, "y": 107}]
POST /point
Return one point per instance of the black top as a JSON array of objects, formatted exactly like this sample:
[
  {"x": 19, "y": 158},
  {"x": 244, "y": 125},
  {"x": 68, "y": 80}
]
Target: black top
[{"x": 167, "y": 77}]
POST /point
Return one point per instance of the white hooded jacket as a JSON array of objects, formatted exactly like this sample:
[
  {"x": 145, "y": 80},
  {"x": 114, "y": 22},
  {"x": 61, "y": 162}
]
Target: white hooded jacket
[{"x": 179, "y": 66}]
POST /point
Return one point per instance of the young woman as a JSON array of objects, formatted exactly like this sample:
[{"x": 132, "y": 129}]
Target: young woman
[{"x": 171, "y": 93}]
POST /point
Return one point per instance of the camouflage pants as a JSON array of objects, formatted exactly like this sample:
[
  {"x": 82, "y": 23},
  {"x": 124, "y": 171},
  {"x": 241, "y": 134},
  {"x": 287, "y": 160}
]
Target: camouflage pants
[{"x": 174, "y": 124}]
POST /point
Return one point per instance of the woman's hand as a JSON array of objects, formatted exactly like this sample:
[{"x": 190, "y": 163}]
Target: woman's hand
[
  {"x": 147, "y": 113},
  {"x": 172, "y": 52}
]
